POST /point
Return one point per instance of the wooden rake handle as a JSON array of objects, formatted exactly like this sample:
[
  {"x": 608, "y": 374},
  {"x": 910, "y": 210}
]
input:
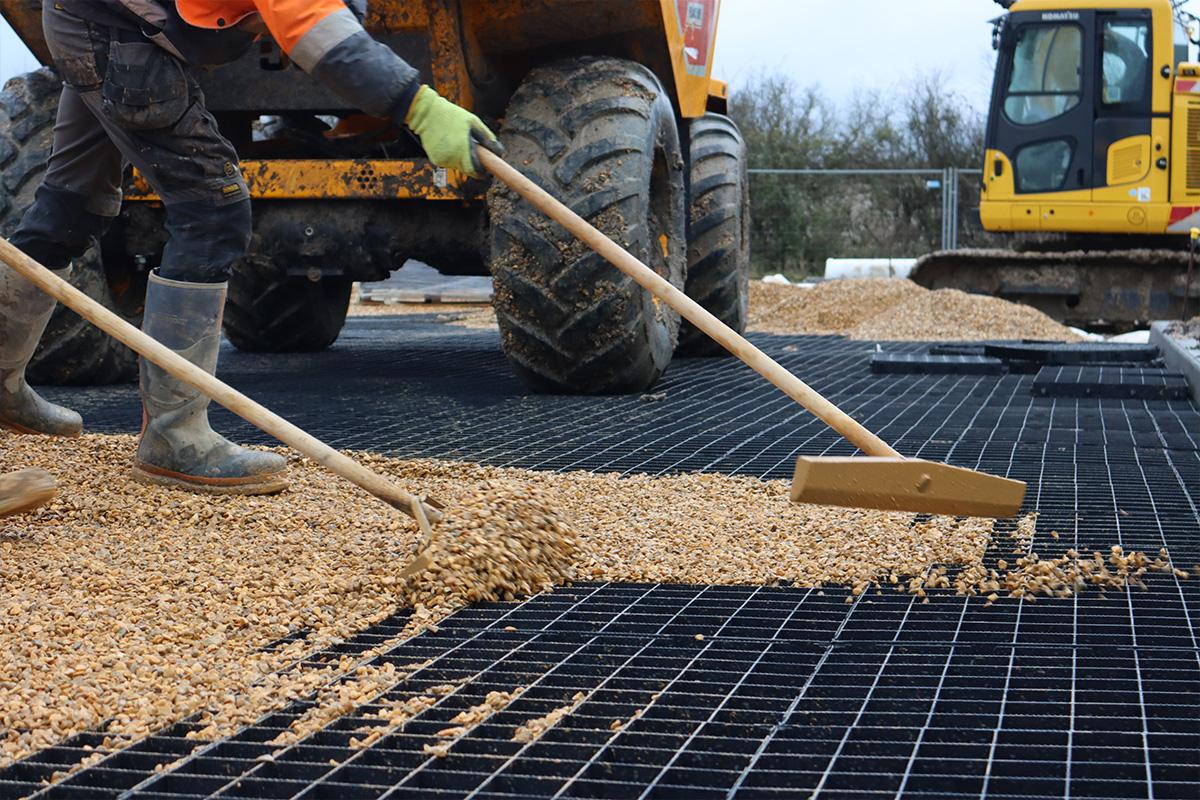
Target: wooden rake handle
[
  {"x": 689, "y": 309},
  {"x": 254, "y": 413}
]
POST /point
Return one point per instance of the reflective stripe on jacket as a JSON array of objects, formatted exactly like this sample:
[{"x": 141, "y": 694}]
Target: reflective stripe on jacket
[
  {"x": 325, "y": 39},
  {"x": 304, "y": 29}
]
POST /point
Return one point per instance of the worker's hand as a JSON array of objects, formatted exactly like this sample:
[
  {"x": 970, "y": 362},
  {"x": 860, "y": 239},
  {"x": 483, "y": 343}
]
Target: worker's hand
[{"x": 449, "y": 133}]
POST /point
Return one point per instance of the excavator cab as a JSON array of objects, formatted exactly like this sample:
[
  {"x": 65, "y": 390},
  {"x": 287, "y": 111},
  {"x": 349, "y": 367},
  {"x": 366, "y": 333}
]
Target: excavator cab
[
  {"x": 1078, "y": 133},
  {"x": 1092, "y": 157}
]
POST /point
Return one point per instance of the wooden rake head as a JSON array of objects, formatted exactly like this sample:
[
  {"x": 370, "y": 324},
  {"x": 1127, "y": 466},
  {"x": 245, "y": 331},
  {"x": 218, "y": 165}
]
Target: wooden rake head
[{"x": 905, "y": 484}]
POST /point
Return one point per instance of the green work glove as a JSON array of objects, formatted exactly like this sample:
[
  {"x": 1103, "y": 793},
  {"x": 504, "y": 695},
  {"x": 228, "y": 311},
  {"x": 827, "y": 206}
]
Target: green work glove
[{"x": 449, "y": 133}]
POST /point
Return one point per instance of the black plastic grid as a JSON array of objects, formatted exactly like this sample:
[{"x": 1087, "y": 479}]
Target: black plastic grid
[
  {"x": 886, "y": 363},
  {"x": 410, "y": 388},
  {"x": 1136, "y": 383},
  {"x": 1073, "y": 353},
  {"x": 790, "y": 691}
]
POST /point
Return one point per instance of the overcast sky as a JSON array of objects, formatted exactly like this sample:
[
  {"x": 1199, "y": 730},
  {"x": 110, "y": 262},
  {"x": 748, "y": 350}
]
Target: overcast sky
[
  {"x": 14, "y": 58},
  {"x": 842, "y": 45},
  {"x": 845, "y": 45}
]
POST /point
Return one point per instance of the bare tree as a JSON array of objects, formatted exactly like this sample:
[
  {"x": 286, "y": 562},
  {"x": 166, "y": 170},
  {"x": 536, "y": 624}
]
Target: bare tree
[{"x": 799, "y": 221}]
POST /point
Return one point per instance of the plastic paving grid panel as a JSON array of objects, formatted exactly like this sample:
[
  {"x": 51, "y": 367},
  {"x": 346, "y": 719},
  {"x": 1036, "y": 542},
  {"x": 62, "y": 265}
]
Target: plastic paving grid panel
[
  {"x": 408, "y": 387},
  {"x": 1074, "y": 353},
  {"x": 790, "y": 691},
  {"x": 930, "y": 364},
  {"x": 1148, "y": 384}
]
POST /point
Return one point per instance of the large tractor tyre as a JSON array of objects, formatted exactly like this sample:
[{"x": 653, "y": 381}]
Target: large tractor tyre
[
  {"x": 269, "y": 311},
  {"x": 72, "y": 351},
  {"x": 718, "y": 273},
  {"x": 600, "y": 135}
]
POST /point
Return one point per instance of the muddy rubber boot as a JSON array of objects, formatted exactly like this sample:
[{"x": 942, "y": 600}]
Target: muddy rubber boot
[
  {"x": 24, "y": 312},
  {"x": 178, "y": 448}
]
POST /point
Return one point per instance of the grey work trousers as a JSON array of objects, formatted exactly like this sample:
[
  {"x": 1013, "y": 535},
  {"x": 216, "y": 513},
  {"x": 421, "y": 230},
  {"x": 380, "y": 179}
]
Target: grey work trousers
[{"x": 126, "y": 100}]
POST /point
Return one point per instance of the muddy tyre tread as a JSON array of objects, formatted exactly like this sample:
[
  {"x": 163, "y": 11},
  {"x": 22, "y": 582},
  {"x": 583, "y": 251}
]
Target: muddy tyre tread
[
  {"x": 269, "y": 311},
  {"x": 72, "y": 350},
  {"x": 718, "y": 276},
  {"x": 589, "y": 131}
]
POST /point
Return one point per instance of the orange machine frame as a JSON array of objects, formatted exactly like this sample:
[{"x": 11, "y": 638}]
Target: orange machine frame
[{"x": 675, "y": 38}]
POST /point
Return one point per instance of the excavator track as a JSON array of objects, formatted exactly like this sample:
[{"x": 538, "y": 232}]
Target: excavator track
[{"x": 1101, "y": 290}]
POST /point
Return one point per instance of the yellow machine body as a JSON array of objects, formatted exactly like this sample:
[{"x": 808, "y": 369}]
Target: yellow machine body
[
  {"x": 1137, "y": 165},
  {"x": 1092, "y": 161},
  {"x": 474, "y": 52}
]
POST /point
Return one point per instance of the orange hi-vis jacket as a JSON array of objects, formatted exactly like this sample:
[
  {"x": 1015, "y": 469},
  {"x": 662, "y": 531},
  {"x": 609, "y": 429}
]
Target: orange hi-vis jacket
[
  {"x": 304, "y": 29},
  {"x": 323, "y": 37}
]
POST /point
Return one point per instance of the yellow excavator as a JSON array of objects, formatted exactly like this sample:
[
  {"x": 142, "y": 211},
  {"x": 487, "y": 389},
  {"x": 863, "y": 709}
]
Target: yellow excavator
[{"x": 1093, "y": 162}]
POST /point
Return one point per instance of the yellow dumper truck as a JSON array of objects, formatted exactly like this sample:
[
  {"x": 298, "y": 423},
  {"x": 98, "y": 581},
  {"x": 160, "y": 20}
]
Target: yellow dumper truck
[{"x": 609, "y": 105}]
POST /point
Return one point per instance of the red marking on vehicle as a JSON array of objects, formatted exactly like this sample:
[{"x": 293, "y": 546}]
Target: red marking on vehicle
[
  {"x": 1185, "y": 86},
  {"x": 697, "y": 17},
  {"x": 1180, "y": 213}
]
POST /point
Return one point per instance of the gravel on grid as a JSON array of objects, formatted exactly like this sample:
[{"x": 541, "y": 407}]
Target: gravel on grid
[
  {"x": 884, "y": 309},
  {"x": 130, "y": 607},
  {"x": 534, "y": 728},
  {"x": 364, "y": 683},
  {"x": 395, "y": 714},
  {"x": 464, "y": 721}
]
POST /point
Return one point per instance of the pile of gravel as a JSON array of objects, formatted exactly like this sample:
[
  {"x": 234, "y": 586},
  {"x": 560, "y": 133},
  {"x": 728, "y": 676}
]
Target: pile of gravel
[{"x": 879, "y": 310}]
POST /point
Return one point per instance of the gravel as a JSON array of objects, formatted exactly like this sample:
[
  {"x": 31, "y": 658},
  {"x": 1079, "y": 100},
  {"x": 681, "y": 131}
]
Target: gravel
[
  {"x": 467, "y": 315},
  {"x": 465, "y": 721},
  {"x": 878, "y": 309},
  {"x": 533, "y": 730},
  {"x": 866, "y": 308},
  {"x": 134, "y": 606},
  {"x": 395, "y": 714},
  {"x": 501, "y": 541},
  {"x": 366, "y": 682},
  {"x": 949, "y": 314},
  {"x": 832, "y": 307}
]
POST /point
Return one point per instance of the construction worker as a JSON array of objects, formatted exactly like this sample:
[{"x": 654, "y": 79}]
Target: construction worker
[{"x": 130, "y": 96}]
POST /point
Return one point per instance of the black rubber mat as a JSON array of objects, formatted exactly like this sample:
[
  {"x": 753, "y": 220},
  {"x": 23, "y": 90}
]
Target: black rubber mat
[
  {"x": 697, "y": 692},
  {"x": 1131, "y": 382},
  {"x": 886, "y": 363}
]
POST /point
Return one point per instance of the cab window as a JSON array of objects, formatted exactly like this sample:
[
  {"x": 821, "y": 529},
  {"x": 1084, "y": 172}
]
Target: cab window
[
  {"x": 1047, "y": 73},
  {"x": 1042, "y": 167},
  {"x": 1126, "y": 62}
]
